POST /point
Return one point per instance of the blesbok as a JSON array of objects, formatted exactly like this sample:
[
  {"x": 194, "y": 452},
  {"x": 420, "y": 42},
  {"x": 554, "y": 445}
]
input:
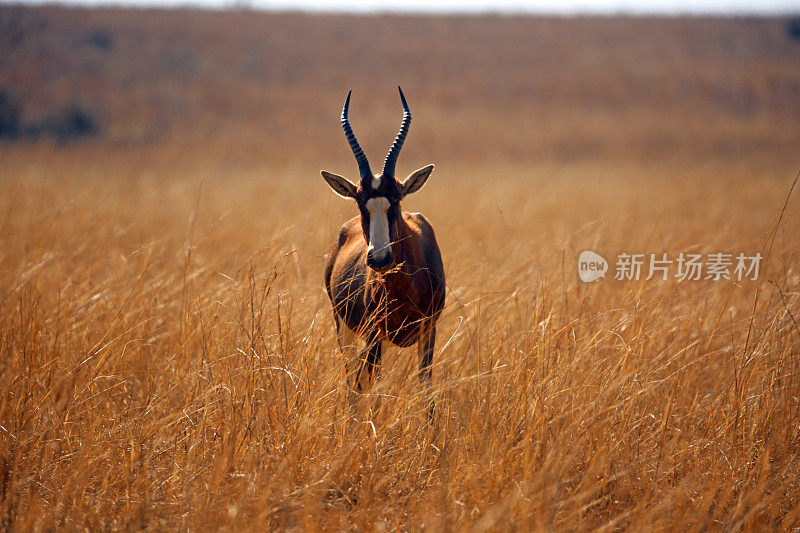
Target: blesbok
[{"x": 384, "y": 276}]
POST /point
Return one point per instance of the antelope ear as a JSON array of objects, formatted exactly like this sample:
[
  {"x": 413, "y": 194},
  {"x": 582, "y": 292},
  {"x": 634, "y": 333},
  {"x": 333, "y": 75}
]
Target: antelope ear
[
  {"x": 416, "y": 180},
  {"x": 341, "y": 186}
]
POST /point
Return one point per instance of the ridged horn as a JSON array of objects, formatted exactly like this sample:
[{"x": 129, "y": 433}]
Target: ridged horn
[
  {"x": 361, "y": 158},
  {"x": 394, "y": 151}
]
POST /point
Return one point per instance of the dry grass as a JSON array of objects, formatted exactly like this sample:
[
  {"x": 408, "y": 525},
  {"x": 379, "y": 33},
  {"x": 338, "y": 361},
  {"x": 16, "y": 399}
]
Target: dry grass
[
  {"x": 169, "y": 357},
  {"x": 167, "y": 351}
]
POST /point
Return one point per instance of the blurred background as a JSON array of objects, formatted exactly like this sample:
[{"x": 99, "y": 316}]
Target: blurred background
[{"x": 254, "y": 86}]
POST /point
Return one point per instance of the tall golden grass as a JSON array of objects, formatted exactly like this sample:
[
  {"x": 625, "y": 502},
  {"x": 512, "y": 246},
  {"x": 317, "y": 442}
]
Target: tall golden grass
[{"x": 168, "y": 357}]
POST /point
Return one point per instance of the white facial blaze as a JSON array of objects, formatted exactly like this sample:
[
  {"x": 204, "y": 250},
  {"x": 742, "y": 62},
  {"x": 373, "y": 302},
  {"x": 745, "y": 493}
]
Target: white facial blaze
[{"x": 378, "y": 225}]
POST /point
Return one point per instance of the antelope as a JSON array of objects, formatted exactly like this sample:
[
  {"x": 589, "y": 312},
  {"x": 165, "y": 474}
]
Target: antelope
[{"x": 384, "y": 276}]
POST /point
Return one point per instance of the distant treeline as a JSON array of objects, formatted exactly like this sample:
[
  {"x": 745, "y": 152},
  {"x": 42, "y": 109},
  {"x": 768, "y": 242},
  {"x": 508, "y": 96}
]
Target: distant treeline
[{"x": 67, "y": 124}]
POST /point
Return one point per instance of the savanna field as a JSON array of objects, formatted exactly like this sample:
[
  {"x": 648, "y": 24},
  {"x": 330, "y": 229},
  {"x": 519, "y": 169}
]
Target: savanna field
[{"x": 168, "y": 357}]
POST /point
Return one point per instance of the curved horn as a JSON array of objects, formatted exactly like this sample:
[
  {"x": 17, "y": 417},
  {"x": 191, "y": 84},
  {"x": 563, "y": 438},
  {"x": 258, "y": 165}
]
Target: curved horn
[
  {"x": 394, "y": 151},
  {"x": 361, "y": 158}
]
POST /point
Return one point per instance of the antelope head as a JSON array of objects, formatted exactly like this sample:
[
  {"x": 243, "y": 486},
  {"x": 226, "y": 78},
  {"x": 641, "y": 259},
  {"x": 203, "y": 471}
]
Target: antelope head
[{"x": 378, "y": 196}]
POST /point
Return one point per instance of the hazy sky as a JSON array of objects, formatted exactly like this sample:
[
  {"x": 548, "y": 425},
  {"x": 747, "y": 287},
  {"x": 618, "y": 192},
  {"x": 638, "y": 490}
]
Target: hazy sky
[{"x": 533, "y": 6}]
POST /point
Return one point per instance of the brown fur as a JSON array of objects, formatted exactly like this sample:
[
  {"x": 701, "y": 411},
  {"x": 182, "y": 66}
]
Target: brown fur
[{"x": 400, "y": 305}]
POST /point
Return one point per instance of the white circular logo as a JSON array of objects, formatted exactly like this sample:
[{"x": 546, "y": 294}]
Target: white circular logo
[{"x": 591, "y": 266}]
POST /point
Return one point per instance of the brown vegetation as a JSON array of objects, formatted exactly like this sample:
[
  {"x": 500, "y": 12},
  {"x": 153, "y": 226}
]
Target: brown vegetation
[{"x": 167, "y": 351}]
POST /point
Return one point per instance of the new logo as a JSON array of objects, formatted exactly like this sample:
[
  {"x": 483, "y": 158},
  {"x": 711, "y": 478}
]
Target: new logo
[{"x": 591, "y": 266}]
